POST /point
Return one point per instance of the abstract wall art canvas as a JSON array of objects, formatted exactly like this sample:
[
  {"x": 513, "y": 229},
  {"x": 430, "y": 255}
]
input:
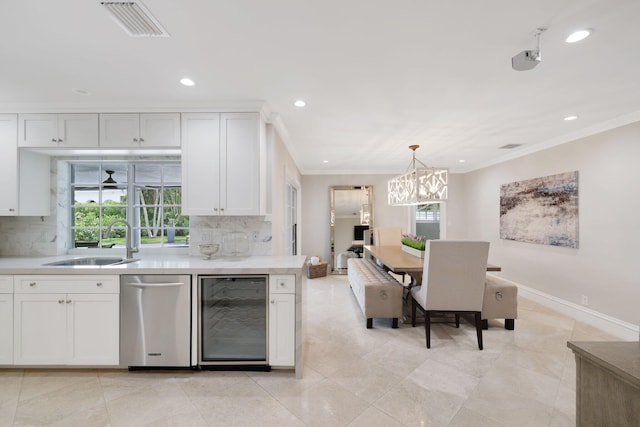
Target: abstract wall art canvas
[{"x": 541, "y": 210}]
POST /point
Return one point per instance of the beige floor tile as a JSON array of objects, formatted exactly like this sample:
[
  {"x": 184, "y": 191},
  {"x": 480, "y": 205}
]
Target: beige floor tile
[
  {"x": 373, "y": 417},
  {"x": 150, "y": 405},
  {"x": 367, "y": 380},
  {"x": 325, "y": 404},
  {"x": 71, "y": 403},
  {"x": 414, "y": 405},
  {"x": 468, "y": 418}
]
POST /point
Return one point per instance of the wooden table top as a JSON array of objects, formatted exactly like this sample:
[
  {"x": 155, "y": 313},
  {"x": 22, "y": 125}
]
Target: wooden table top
[{"x": 399, "y": 261}]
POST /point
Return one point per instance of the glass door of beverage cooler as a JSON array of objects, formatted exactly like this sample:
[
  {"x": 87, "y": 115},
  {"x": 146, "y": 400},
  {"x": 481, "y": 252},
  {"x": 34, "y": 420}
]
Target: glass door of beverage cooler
[{"x": 233, "y": 320}]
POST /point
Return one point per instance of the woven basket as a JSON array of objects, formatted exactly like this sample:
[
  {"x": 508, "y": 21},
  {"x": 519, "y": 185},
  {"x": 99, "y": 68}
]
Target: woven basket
[{"x": 319, "y": 270}]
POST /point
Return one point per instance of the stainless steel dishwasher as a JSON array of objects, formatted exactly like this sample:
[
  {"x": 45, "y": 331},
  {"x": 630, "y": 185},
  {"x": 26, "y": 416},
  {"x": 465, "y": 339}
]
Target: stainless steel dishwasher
[{"x": 155, "y": 321}]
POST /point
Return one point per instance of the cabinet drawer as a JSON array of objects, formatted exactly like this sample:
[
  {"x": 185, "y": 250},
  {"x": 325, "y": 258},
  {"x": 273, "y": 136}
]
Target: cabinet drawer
[
  {"x": 282, "y": 284},
  {"x": 67, "y": 284},
  {"x": 6, "y": 284}
]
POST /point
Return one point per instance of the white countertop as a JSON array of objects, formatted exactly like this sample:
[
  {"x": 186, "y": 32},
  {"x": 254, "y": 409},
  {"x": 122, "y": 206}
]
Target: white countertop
[{"x": 160, "y": 264}]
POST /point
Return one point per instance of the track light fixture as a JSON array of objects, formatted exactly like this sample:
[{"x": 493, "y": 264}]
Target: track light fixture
[{"x": 528, "y": 59}]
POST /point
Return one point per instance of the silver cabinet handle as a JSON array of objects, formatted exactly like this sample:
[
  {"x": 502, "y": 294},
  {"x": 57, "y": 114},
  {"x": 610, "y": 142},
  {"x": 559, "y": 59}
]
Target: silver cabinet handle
[
  {"x": 135, "y": 139},
  {"x": 282, "y": 283},
  {"x": 60, "y": 301},
  {"x": 60, "y": 140},
  {"x": 32, "y": 284},
  {"x": 273, "y": 302},
  {"x": 141, "y": 139},
  {"x": 99, "y": 284},
  {"x": 53, "y": 140},
  {"x": 68, "y": 301}
]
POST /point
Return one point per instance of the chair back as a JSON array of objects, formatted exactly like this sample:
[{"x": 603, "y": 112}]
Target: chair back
[
  {"x": 453, "y": 276},
  {"x": 387, "y": 236}
]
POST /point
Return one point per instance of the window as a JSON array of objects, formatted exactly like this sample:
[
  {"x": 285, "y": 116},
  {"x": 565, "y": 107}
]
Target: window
[
  {"x": 429, "y": 212},
  {"x": 147, "y": 195}
]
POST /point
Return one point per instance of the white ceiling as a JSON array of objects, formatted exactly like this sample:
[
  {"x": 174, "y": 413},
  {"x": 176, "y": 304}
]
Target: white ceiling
[{"x": 377, "y": 75}]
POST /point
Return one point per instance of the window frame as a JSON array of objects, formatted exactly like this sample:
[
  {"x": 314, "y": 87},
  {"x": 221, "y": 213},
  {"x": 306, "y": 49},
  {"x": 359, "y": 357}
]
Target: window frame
[{"x": 133, "y": 206}]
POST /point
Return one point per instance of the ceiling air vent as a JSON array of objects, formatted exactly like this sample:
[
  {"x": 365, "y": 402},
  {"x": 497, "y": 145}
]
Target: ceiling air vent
[
  {"x": 135, "y": 19},
  {"x": 510, "y": 146}
]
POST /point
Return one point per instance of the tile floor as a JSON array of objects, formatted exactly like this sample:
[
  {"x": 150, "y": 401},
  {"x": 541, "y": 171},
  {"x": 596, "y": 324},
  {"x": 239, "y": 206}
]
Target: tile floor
[{"x": 352, "y": 377}]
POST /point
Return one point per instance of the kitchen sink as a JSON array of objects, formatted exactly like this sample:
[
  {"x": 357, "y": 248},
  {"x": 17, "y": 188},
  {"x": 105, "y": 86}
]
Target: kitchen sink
[{"x": 95, "y": 261}]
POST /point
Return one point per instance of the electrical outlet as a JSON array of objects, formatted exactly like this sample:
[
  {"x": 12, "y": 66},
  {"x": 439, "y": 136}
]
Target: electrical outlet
[
  {"x": 206, "y": 237},
  {"x": 585, "y": 300}
]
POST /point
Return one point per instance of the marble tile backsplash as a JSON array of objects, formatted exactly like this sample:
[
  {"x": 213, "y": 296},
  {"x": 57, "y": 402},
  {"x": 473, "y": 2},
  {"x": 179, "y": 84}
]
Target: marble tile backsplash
[{"x": 211, "y": 229}]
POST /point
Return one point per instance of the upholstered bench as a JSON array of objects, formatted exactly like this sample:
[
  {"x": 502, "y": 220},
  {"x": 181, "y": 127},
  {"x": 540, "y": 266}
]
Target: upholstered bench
[
  {"x": 500, "y": 301},
  {"x": 379, "y": 294}
]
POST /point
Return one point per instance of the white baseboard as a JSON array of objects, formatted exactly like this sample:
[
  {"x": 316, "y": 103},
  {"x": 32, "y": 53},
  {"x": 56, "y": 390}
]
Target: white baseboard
[{"x": 621, "y": 329}]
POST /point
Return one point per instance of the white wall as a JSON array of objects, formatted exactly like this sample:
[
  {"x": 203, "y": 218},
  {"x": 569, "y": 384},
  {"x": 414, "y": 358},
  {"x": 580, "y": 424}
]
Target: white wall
[
  {"x": 604, "y": 267},
  {"x": 315, "y": 208}
]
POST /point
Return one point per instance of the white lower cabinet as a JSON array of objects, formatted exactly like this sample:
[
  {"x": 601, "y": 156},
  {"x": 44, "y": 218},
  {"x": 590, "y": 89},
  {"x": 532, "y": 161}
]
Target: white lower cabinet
[
  {"x": 282, "y": 320},
  {"x": 66, "y": 320},
  {"x": 6, "y": 320}
]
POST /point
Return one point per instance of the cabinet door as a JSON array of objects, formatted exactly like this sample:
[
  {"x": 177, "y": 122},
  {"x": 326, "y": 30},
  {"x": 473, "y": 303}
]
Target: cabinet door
[
  {"x": 8, "y": 164},
  {"x": 40, "y": 329},
  {"x": 200, "y": 159},
  {"x": 119, "y": 130},
  {"x": 6, "y": 329},
  {"x": 78, "y": 130},
  {"x": 240, "y": 164},
  {"x": 38, "y": 130},
  {"x": 282, "y": 326},
  {"x": 93, "y": 325},
  {"x": 160, "y": 130}
]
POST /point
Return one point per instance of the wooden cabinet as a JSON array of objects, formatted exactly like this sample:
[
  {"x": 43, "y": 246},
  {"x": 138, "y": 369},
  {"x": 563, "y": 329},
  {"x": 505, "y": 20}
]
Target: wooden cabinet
[
  {"x": 26, "y": 189},
  {"x": 221, "y": 164},
  {"x": 66, "y": 320},
  {"x": 282, "y": 320},
  {"x": 6, "y": 320},
  {"x": 140, "y": 130},
  {"x": 58, "y": 130}
]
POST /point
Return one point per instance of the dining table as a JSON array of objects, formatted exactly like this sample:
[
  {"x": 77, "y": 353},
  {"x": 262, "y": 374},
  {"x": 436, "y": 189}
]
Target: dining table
[{"x": 398, "y": 261}]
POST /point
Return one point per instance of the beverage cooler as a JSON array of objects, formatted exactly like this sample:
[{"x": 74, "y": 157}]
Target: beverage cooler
[{"x": 232, "y": 322}]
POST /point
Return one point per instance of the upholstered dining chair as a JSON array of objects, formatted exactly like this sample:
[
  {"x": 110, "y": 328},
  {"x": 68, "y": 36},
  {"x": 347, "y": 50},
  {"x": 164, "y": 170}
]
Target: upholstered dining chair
[
  {"x": 452, "y": 282},
  {"x": 388, "y": 236}
]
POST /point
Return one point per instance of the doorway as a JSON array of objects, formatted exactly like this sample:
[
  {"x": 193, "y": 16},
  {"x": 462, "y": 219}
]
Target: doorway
[{"x": 291, "y": 222}]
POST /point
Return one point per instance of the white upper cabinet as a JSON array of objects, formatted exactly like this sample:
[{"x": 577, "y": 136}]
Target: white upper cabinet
[
  {"x": 221, "y": 164},
  {"x": 58, "y": 130},
  {"x": 140, "y": 130},
  {"x": 26, "y": 190},
  {"x": 8, "y": 164}
]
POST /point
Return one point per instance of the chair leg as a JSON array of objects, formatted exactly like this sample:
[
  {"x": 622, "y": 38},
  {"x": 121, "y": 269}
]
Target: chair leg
[
  {"x": 485, "y": 324},
  {"x": 457, "y": 320},
  {"x": 369, "y": 323},
  {"x": 413, "y": 311},
  {"x": 509, "y": 324},
  {"x": 479, "y": 328},
  {"x": 427, "y": 327},
  {"x": 394, "y": 322}
]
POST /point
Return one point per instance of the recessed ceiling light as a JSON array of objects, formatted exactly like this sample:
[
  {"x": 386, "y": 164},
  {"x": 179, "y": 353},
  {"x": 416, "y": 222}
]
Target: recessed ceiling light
[
  {"x": 325, "y": 161},
  {"x": 576, "y": 36},
  {"x": 80, "y": 91},
  {"x": 461, "y": 161},
  {"x": 569, "y": 118},
  {"x": 300, "y": 103},
  {"x": 187, "y": 82}
]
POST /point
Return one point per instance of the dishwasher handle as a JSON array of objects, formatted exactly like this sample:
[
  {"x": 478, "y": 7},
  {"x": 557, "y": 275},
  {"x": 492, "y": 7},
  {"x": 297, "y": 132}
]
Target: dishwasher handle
[{"x": 154, "y": 285}]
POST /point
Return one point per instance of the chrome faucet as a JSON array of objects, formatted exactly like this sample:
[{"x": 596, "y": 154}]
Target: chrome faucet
[{"x": 130, "y": 249}]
